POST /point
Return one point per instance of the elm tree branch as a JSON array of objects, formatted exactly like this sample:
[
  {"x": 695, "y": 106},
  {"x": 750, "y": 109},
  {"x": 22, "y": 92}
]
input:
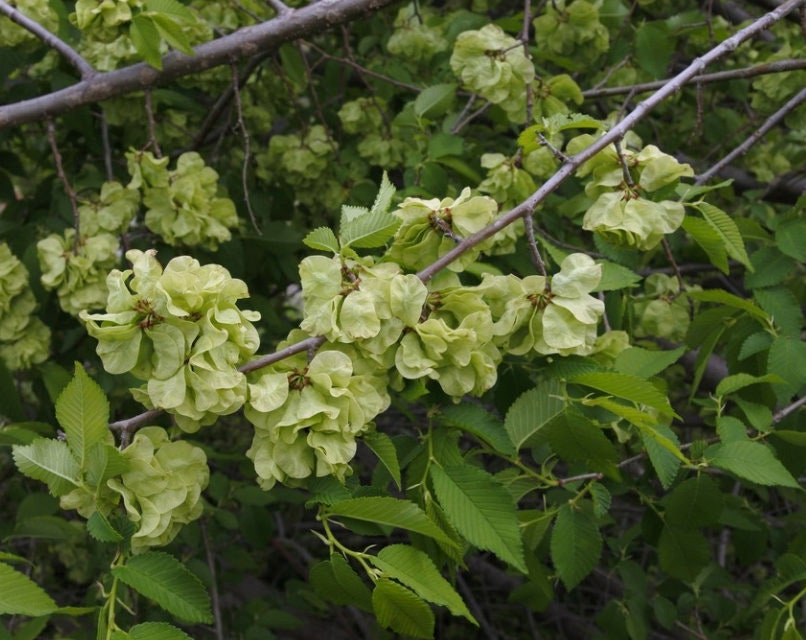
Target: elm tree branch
[
  {"x": 244, "y": 43},
  {"x": 793, "y": 103},
  {"x": 778, "y": 66},
  {"x": 53, "y": 41}
]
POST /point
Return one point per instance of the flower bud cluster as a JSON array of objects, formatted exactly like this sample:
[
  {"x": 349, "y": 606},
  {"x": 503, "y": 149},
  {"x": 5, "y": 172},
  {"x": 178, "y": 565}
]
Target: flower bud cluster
[
  {"x": 24, "y": 338},
  {"x": 307, "y": 415},
  {"x": 161, "y": 488},
  {"x": 180, "y": 330},
  {"x": 623, "y": 211},
  {"x": 493, "y": 64},
  {"x": 76, "y": 267},
  {"x": 183, "y": 205}
]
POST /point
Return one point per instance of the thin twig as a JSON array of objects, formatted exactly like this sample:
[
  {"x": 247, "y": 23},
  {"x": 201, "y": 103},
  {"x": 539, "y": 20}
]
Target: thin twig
[
  {"x": 793, "y": 103},
  {"x": 216, "y": 602},
  {"x": 152, "y": 125},
  {"x": 783, "y": 413},
  {"x": 214, "y": 116},
  {"x": 534, "y": 252},
  {"x": 668, "y": 251},
  {"x": 52, "y": 40},
  {"x": 246, "y": 148},
  {"x": 456, "y": 128},
  {"x": 369, "y": 72},
  {"x": 68, "y": 188},
  {"x": 107, "y": 147},
  {"x": 778, "y": 66}
]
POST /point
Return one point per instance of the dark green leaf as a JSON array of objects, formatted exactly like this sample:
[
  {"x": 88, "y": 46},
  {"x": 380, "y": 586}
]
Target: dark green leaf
[
  {"x": 481, "y": 510},
  {"x": 645, "y": 363},
  {"x": 476, "y": 421},
  {"x": 417, "y": 571},
  {"x": 695, "y": 502},
  {"x": 435, "y": 100},
  {"x": 683, "y": 553},
  {"x": 402, "y": 611},
  {"x": 165, "y": 580},
  {"x": 576, "y": 544},
  {"x": 382, "y": 446},
  {"x": 388, "y": 511},
  {"x": 20, "y": 595},
  {"x": 532, "y": 411},
  {"x": 751, "y": 461}
]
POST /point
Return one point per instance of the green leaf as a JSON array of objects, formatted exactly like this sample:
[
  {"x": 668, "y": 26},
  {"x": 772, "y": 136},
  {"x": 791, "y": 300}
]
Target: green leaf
[
  {"x": 335, "y": 581},
  {"x": 20, "y": 595},
  {"x": 601, "y": 499},
  {"x": 83, "y": 412},
  {"x": 626, "y": 386},
  {"x": 400, "y": 610},
  {"x": 783, "y": 307},
  {"x": 574, "y": 438},
  {"x": 105, "y": 461},
  {"x": 417, "y": 571},
  {"x": 683, "y": 553},
  {"x": 654, "y": 47},
  {"x": 171, "y": 8},
  {"x": 99, "y": 528},
  {"x": 474, "y": 420},
  {"x": 738, "y": 381},
  {"x": 157, "y": 631},
  {"x": 51, "y": 462},
  {"x": 663, "y": 448},
  {"x": 616, "y": 277},
  {"x": 576, "y": 544},
  {"x": 696, "y": 502},
  {"x": 383, "y": 201},
  {"x": 390, "y": 512},
  {"x": 146, "y": 39},
  {"x": 168, "y": 582},
  {"x": 294, "y": 65},
  {"x": 730, "y": 429},
  {"x": 323, "y": 239},
  {"x": 46, "y": 528},
  {"x": 382, "y": 446},
  {"x": 787, "y": 359},
  {"x": 173, "y": 33},
  {"x": 481, "y": 510},
  {"x": 770, "y": 267},
  {"x": 646, "y": 363},
  {"x": 369, "y": 231},
  {"x": 755, "y": 343},
  {"x": 723, "y": 297},
  {"x": 789, "y": 237},
  {"x": 709, "y": 240},
  {"x": 728, "y": 232},
  {"x": 434, "y": 101},
  {"x": 55, "y": 377},
  {"x": 750, "y": 461},
  {"x": 532, "y": 411}
]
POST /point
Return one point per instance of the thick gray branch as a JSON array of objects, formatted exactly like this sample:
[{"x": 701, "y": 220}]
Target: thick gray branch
[{"x": 244, "y": 43}]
